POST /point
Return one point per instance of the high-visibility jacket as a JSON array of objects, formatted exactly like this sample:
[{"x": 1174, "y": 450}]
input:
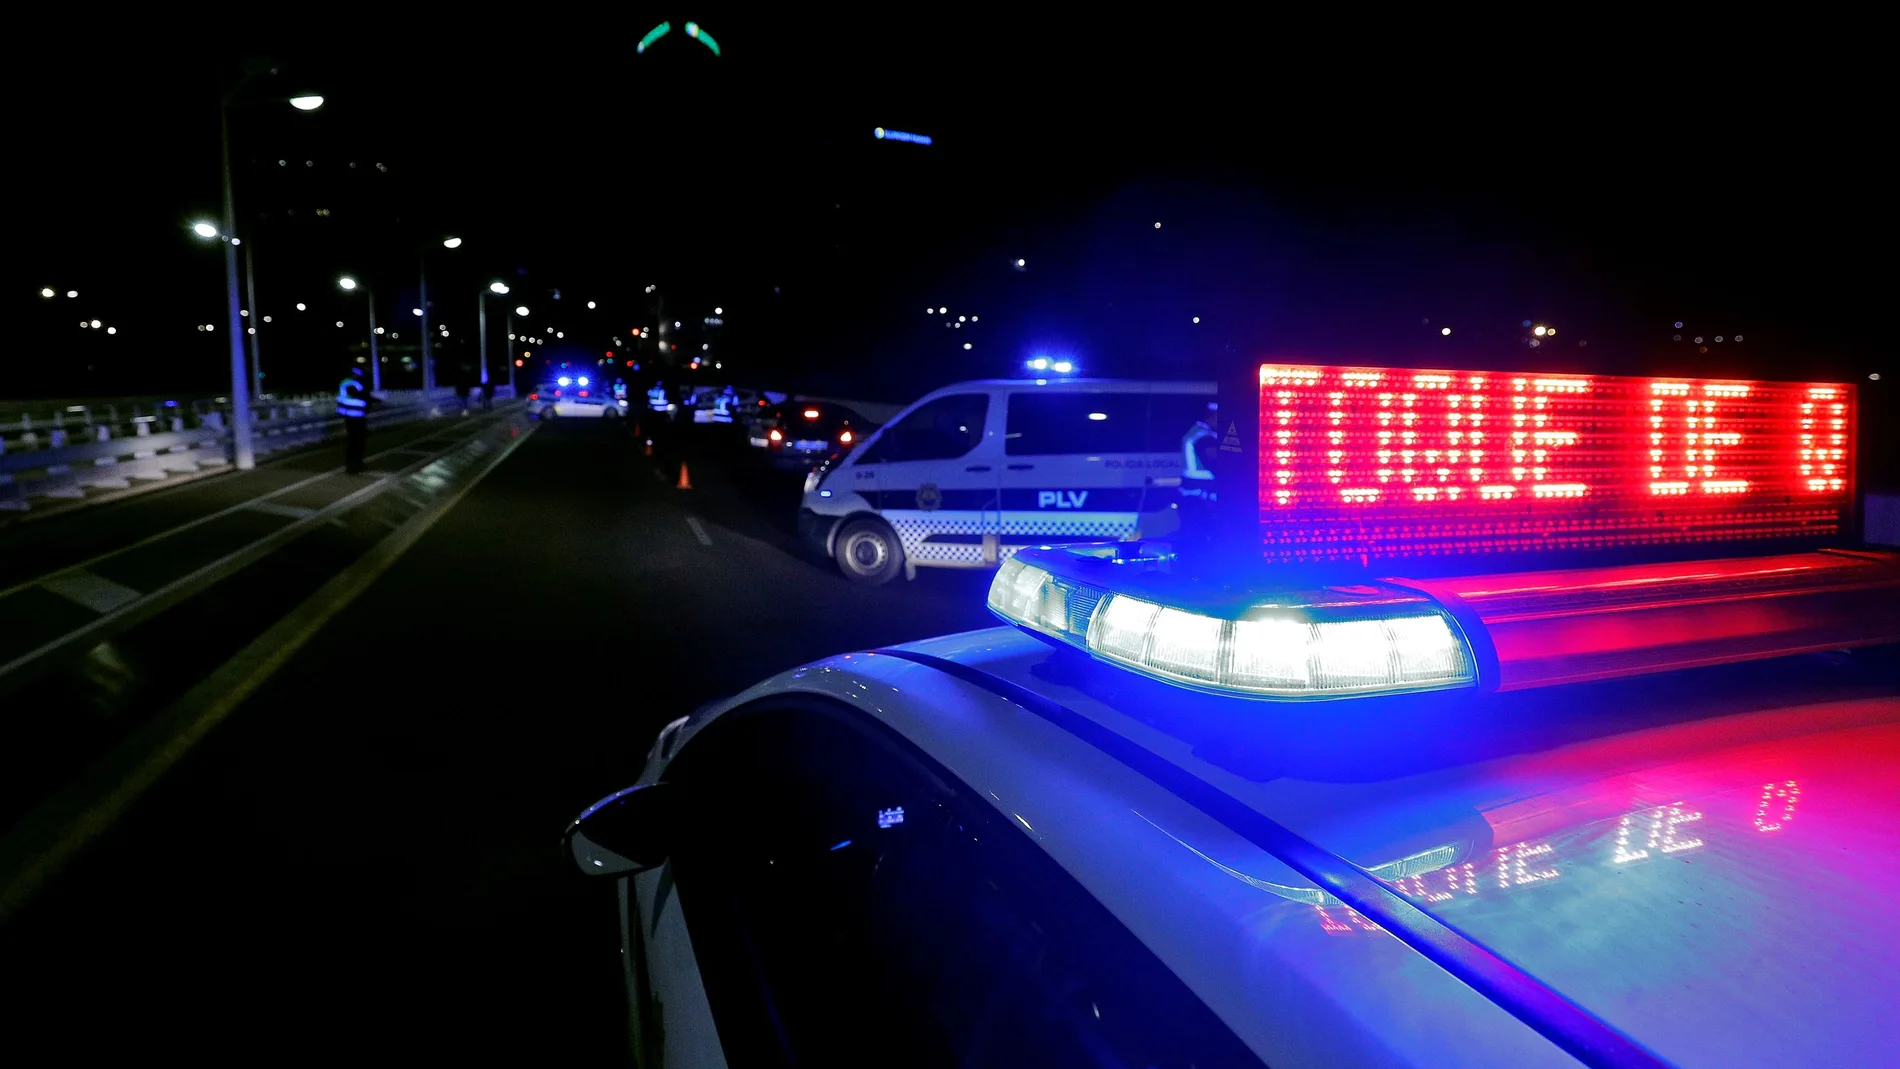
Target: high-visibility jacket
[{"x": 351, "y": 401}]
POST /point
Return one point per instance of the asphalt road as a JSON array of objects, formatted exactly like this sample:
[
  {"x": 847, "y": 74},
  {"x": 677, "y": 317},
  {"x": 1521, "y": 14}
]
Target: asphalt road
[{"x": 362, "y": 861}]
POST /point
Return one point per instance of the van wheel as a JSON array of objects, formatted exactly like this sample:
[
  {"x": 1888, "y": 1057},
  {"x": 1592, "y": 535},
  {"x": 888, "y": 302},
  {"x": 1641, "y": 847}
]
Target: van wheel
[{"x": 868, "y": 552}]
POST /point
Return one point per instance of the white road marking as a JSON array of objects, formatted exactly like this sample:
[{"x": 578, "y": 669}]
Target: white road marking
[
  {"x": 95, "y": 592},
  {"x": 272, "y": 508},
  {"x": 699, "y": 530}
]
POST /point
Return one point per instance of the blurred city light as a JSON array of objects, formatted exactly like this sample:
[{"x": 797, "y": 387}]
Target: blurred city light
[
  {"x": 719, "y": 311},
  {"x": 590, "y": 304},
  {"x": 1445, "y": 331},
  {"x": 582, "y": 380},
  {"x": 346, "y": 282},
  {"x": 47, "y": 291},
  {"x": 112, "y": 330},
  {"x": 72, "y": 293},
  {"x": 204, "y": 230},
  {"x": 1062, "y": 366},
  {"x": 1539, "y": 331},
  {"x": 451, "y": 243},
  {"x": 1020, "y": 262},
  {"x": 883, "y": 134},
  {"x": 498, "y": 287},
  {"x": 95, "y": 324},
  {"x": 1197, "y": 319},
  {"x": 415, "y": 311},
  {"x": 704, "y": 38},
  {"x": 310, "y": 102},
  {"x": 564, "y": 381},
  {"x": 1040, "y": 363},
  {"x": 966, "y": 345},
  {"x": 300, "y": 306},
  {"x": 943, "y": 311},
  {"x": 521, "y": 309}
]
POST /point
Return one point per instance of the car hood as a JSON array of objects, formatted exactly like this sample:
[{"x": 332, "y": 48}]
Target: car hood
[{"x": 1713, "y": 873}]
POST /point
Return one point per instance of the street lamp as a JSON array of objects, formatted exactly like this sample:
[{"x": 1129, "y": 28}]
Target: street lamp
[
  {"x": 481, "y": 322},
  {"x": 243, "y": 454},
  {"x": 451, "y": 243},
  {"x": 348, "y": 285}
]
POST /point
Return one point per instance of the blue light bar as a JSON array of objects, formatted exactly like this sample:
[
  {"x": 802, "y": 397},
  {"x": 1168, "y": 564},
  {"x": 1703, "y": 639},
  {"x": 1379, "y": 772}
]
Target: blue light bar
[
  {"x": 883, "y": 134},
  {"x": 1120, "y": 606}
]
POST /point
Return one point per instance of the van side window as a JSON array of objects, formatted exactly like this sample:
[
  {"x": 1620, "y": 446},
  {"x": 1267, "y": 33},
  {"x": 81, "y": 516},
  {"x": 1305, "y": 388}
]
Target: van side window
[
  {"x": 1172, "y": 415},
  {"x": 943, "y": 429},
  {"x": 1042, "y": 423}
]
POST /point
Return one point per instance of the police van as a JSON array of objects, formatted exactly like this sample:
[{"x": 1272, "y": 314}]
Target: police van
[
  {"x": 1571, "y": 747},
  {"x": 972, "y": 472}
]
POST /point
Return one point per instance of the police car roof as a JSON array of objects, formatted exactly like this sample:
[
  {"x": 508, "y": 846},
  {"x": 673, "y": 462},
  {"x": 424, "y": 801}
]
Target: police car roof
[{"x": 1695, "y": 864}]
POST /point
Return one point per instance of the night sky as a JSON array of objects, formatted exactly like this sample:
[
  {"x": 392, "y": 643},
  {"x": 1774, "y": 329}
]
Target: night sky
[{"x": 1322, "y": 193}]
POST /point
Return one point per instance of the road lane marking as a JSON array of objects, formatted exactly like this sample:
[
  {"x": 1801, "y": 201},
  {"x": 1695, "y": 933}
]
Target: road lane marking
[
  {"x": 95, "y": 592},
  {"x": 63, "y": 825},
  {"x": 216, "y": 571},
  {"x": 699, "y": 530},
  {"x": 272, "y": 508}
]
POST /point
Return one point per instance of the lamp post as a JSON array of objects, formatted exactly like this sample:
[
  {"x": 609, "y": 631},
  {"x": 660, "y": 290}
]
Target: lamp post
[
  {"x": 481, "y": 321},
  {"x": 347, "y": 284},
  {"x": 243, "y": 453},
  {"x": 422, "y": 303}
]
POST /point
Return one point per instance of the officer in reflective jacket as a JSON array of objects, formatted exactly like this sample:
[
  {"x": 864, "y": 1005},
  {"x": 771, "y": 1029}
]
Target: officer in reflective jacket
[{"x": 352, "y": 403}]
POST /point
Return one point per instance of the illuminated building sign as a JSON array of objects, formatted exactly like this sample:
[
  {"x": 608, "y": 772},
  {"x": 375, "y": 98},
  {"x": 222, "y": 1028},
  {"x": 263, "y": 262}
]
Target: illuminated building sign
[{"x": 1365, "y": 463}]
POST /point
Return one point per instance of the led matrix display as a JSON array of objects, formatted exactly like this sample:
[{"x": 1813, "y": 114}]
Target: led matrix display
[{"x": 1366, "y": 463}]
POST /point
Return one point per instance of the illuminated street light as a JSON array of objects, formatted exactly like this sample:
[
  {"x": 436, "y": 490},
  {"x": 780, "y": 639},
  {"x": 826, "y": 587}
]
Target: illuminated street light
[
  {"x": 47, "y": 291},
  {"x": 966, "y": 345},
  {"x": 72, "y": 293},
  {"x": 451, "y": 243},
  {"x": 1538, "y": 331},
  {"x": 1444, "y": 331},
  {"x": 719, "y": 311},
  {"x": 310, "y": 102},
  {"x": 300, "y": 306},
  {"x": 497, "y": 287},
  {"x": 940, "y": 311},
  {"x": 1197, "y": 319},
  {"x": 1020, "y": 262},
  {"x": 112, "y": 330},
  {"x": 204, "y": 230},
  {"x": 415, "y": 311},
  {"x": 95, "y": 324},
  {"x": 590, "y": 304},
  {"x": 346, "y": 282}
]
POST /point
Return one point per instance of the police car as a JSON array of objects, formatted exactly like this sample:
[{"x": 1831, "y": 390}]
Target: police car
[
  {"x": 1349, "y": 784},
  {"x": 575, "y": 396},
  {"x": 801, "y": 434},
  {"x": 973, "y": 472}
]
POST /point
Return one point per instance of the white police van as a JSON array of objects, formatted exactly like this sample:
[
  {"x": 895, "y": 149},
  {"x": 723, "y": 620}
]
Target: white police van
[{"x": 972, "y": 472}]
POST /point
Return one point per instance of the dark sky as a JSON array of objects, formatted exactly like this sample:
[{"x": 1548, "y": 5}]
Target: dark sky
[{"x": 1322, "y": 190}]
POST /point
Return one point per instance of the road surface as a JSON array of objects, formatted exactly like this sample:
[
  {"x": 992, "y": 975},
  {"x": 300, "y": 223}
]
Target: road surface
[{"x": 362, "y": 861}]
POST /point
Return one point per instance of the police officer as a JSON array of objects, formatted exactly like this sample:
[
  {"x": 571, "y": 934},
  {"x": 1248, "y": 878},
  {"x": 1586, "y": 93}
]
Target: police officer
[{"x": 352, "y": 403}]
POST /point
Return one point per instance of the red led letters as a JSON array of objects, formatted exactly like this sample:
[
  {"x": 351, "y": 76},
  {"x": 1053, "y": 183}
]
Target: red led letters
[{"x": 1360, "y": 463}]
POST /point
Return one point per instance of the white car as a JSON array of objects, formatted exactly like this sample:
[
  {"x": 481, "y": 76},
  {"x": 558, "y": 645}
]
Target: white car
[
  {"x": 973, "y": 472},
  {"x": 1628, "y": 813},
  {"x": 575, "y": 398}
]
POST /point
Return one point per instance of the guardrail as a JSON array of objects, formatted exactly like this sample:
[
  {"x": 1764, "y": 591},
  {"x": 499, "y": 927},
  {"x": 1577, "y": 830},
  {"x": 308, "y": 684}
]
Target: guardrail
[{"x": 58, "y": 468}]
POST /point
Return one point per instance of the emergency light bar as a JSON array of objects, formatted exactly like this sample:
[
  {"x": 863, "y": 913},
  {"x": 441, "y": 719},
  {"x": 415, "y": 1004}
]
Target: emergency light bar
[
  {"x": 1123, "y": 603},
  {"x": 1368, "y": 463}
]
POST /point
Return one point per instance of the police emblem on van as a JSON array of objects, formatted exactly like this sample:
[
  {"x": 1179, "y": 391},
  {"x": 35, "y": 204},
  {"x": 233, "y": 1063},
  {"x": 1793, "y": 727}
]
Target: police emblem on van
[
  {"x": 1061, "y": 499},
  {"x": 929, "y": 498}
]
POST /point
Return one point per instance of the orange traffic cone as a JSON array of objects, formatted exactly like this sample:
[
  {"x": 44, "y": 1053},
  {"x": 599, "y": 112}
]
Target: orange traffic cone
[
  {"x": 685, "y": 483},
  {"x": 649, "y": 447}
]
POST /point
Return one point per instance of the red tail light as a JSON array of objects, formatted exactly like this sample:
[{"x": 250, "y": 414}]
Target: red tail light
[
  {"x": 775, "y": 435},
  {"x": 583, "y": 393},
  {"x": 811, "y": 413},
  {"x": 845, "y": 437},
  {"x": 534, "y": 397}
]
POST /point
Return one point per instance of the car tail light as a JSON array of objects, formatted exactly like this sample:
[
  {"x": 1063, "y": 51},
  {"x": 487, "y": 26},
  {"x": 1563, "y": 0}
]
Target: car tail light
[
  {"x": 845, "y": 437},
  {"x": 774, "y": 435},
  {"x": 811, "y": 413},
  {"x": 583, "y": 393},
  {"x": 534, "y": 397}
]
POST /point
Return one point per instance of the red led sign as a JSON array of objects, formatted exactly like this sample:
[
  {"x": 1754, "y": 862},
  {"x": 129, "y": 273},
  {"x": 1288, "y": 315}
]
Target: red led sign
[{"x": 1364, "y": 463}]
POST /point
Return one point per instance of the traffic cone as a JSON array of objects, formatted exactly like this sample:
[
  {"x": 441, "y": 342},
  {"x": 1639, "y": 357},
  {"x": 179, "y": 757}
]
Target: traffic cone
[
  {"x": 649, "y": 447},
  {"x": 685, "y": 483}
]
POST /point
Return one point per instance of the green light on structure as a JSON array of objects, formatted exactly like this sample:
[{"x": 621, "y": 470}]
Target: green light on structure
[
  {"x": 656, "y": 33},
  {"x": 704, "y": 38}
]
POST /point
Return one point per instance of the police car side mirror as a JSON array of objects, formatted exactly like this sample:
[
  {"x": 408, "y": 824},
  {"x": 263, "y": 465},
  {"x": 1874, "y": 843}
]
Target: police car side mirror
[{"x": 626, "y": 832}]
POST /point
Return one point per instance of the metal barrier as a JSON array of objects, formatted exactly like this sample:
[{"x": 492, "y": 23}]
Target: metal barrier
[{"x": 63, "y": 466}]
